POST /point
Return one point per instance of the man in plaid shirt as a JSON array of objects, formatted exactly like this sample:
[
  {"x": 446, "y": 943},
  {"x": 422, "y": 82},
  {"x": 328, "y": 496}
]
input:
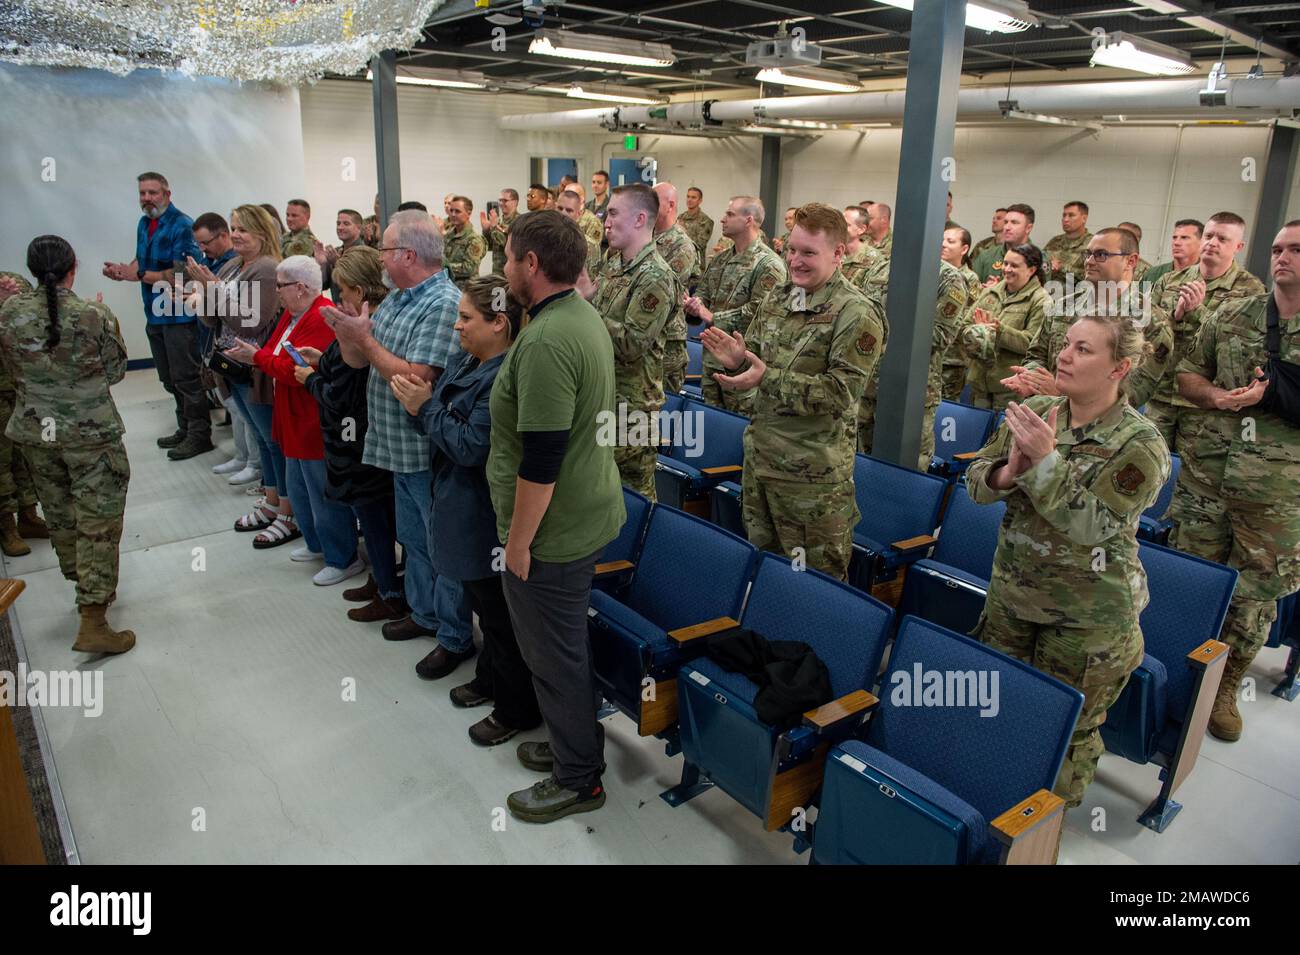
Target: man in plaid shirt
[
  {"x": 164, "y": 239},
  {"x": 412, "y": 333}
]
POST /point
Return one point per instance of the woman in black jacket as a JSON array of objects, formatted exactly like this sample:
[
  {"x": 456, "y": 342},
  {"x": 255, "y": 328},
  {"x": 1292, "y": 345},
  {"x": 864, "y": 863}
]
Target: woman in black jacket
[
  {"x": 340, "y": 393},
  {"x": 463, "y": 542}
]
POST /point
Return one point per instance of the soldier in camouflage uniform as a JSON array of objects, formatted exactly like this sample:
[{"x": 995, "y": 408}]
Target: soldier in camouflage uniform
[
  {"x": 635, "y": 297},
  {"x": 859, "y": 256},
  {"x": 69, "y": 429},
  {"x": 496, "y": 225},
  {"x": 298, "y": 238},
  {"x": 1142, "y": 267},
  {"x": 1064, "y": 252},
  {"x": 569, "y": 202},
  {"x": 951, "y": 302},
  {"x": 733, "y": 286},
  {"x": 879, "y": 236},
  {"x": 1017, "y": 224},
  {"x": 1067, "y": 586},
  {"x": 957, "y": 252},
  {"x": 676, "y": 248},
  {"x": 696, "y": 224},
  {"x": 807, "y": 356},
  {"x": 17, "y": 492},
  {"x": 463, "y": 248},
  {"x": 990, "y": 240},
  {"x": 1000, "y": 325},
  {"x": 1107, "y": 289},
  {"x": 1186, "y": 298},
  {"x": 1236, "y": 500}
]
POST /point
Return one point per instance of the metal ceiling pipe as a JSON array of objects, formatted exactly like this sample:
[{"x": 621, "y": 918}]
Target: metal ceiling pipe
[{"x": 1278, "y": 96}]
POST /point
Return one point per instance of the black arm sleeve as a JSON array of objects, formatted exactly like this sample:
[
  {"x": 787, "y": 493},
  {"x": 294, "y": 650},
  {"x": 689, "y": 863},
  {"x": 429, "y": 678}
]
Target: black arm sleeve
[{"x": 543, "y": 455}]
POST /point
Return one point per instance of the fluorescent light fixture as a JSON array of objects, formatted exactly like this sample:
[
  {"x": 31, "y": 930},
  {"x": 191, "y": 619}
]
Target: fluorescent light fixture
[
  {"x": 809, "y": 77},
  {"x": 608, "y": 94},
  {"x": 1127, "y": 52},
  {"x": 601, "y": 49},
  {"x": 450, "y": 79},
  {"x": 991, "y": 16}
]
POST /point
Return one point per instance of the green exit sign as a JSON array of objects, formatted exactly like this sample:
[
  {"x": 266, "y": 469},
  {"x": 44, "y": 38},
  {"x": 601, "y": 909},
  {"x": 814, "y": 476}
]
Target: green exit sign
[{"x": 629, "y": 141}]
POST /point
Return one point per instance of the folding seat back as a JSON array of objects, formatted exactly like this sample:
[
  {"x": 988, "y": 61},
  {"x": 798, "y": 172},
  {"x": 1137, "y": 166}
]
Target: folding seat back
[
  {"x": 896, "y": 504},
  {"x": 694, "y": 360},
  {"x": 620, "y": 554},
  {"x": 1157, "y": 717},
  {"x": 706, "y": 446},
  {"x": 770, "y": 772},
  {"x": 1154, "y": 525},
  {"x": 1286, "y": 632},
  {"x": 968, "y": 536},
  {"x": 958, "y": 429},
  {"x": 962, "y": 735}
]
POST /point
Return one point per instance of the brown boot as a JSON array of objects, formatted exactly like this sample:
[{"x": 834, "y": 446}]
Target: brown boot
[
  {"x": 1225, "y": 718},
  {"x": 96, "y": 636},
  {"x": 31, "y": 525},
  {"x": 380, "y": 609},
  {"x": 10, "y": 542}
]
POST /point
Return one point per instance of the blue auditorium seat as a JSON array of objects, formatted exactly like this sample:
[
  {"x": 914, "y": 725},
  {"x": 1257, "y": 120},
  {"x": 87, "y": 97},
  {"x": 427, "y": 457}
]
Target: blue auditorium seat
[
  {"x": 949, "y": 586},
  {"x": 1286, "y": 632},
  {"x": 619, "y": 557},
  {"x": 959, "y": 432},
  {"x": 899, "y": 512},
  {"x": 688, "y": 573},
  {"x": 933, "y": 780},
  {"x": 772, "y": 773},
  {"x": 724, "y": 499},
  {"x": 686, "y": 471},
  {"x": 1157, "y": 718},
  {"x": 1154, "y": 524}
]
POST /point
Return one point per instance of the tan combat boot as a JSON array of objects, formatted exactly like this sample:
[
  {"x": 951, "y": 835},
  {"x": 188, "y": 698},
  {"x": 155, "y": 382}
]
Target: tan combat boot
[
  {"x": 1225, "y": 718},
  {"x": 10, "y": 542},
  {"x": 31, "y": 525},
  {"x": 96, "y": 636}
]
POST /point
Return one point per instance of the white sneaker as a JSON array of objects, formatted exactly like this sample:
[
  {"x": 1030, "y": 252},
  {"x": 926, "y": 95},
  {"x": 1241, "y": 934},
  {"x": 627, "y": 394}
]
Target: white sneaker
[
  {"x": 245, "y": 476},
  {"x": 304, "y": 554},
  {"x": 335, "y": 575},
  {"x": 230, "y": 467}
]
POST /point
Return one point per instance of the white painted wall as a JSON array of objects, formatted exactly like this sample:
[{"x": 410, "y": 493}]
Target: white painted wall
[{"x": 218, "y": 143}]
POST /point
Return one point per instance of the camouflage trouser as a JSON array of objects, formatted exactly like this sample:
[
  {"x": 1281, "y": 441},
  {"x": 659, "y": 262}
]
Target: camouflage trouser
[
  {"x": 927, "y": 436},
  {"x": 996, "y": 400},
  {"x": 16, "y": 488},
  {"x": 674, "y": 372},
  {"x": 818, "y": 518},
  {"x": 1165, "y": 417},
  {"x": 954, "y": 380},
  {"x": 1097, "y": 662},
  {"x": 866, "y": 423},
  {"x": 1260, "y": 540},
  {"x": 636, "y": 468},
  {"x": 83, "y": 494}
]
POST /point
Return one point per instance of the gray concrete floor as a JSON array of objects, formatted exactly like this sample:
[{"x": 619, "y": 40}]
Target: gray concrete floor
[{"x": 232, "y": 704}]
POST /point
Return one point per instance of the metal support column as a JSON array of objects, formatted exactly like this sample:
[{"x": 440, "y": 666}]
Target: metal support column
[
  {"x": 929, "y": 118},
  {"x": 769, "y": 183},
  {"x": 383, "y": 70},
  {"x": 1274, "y": 197}
]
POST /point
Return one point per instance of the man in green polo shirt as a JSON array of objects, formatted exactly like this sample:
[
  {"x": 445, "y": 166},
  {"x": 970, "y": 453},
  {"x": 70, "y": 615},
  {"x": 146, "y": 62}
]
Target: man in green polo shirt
[{"x": 558, "y": 500}]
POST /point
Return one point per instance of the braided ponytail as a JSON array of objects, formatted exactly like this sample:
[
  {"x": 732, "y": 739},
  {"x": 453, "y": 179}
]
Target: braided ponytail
[{"x": 50, "y": 258}]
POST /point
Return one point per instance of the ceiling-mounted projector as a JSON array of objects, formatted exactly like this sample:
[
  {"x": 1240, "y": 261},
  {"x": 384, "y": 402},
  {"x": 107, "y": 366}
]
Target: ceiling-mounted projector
[{"x": 783, "y": 51}]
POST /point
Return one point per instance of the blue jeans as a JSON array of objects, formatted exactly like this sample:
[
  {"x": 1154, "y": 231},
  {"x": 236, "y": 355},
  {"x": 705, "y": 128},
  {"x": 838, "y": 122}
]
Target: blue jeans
[
  {"x": 379, "y": 526},
  {"x": 436, "y": 602},
  {"x": 326, "y": 525},
  {"x": 259, "y": 416}
]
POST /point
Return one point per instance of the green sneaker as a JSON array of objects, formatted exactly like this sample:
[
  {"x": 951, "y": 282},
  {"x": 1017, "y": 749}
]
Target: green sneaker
[
  {"x": 547, "y": 801},
  {"x": 536, "y": 756}
]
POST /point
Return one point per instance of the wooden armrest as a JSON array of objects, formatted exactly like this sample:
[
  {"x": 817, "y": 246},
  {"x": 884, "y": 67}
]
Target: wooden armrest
[
  {"x": 614, "y": 567},
  {"x": 836, "y": 711},
  {"x": 694, "y": 632},
  {"x": 722, "y": 469},
  {"x": 965, "y": 455},
  {"x": 915, "y": 543},
  {"x": 692, "y": 378},
  {"x": 1030, "y": 831},
  {"x": 1201, "y": 657},
  {"x": 9, "y": 591}
]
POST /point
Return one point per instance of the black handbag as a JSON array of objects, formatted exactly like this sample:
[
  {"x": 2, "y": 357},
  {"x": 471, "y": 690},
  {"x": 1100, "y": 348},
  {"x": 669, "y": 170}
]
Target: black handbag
[
  {"x": 1282, "y": 396},
  {"x": 235, "y": 372}
]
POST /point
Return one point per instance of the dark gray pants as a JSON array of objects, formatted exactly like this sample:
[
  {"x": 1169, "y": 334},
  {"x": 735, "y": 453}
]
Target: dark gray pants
[
  {"x": 175, "y": 351},
  {"x": 549, "y": 612}
]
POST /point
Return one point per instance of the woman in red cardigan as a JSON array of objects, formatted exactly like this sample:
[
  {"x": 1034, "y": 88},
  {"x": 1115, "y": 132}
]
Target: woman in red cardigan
[{"x": 327, "y": 527}]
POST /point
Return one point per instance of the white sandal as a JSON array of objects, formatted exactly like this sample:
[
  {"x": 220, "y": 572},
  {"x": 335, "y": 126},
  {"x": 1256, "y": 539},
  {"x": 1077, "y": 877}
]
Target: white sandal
[
  {"x": 257, "y": 519},
  {"x": 282, "y": 530}
]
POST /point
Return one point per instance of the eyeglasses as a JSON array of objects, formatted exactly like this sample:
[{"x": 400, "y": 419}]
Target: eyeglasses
[
  {"x": 1101, "y": 255},
  {"x": 391, "y": 248},
  {"x": 286, "y": 284}
]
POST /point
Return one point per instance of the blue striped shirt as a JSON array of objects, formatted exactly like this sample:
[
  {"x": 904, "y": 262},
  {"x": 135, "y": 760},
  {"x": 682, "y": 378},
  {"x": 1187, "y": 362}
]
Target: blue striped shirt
[
  {"x": 416, "y": 325},
  {"x": 171, "y": 242}
]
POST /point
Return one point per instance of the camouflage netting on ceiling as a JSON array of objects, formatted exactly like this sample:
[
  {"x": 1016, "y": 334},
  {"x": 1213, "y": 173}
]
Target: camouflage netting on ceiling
[{"x": 281, "y": 41}]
